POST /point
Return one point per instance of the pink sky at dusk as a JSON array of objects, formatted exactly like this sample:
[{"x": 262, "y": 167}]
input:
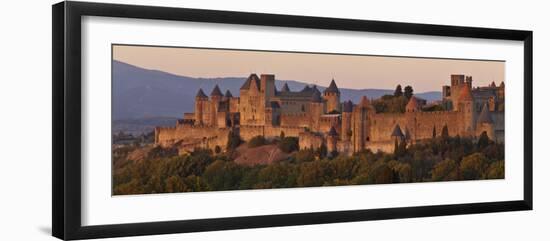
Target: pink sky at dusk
[{"x": 349, "y": 71}]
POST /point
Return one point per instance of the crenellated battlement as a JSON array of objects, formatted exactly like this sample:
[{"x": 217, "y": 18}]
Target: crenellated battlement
[{"x": 263, "y": 110}]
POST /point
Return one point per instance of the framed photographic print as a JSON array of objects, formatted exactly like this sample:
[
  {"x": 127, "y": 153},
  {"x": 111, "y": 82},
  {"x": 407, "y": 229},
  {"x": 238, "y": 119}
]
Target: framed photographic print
[{"x": 170, "y": 120}]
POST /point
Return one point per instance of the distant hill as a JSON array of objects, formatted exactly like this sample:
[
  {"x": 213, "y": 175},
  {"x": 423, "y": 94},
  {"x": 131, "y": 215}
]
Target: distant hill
[
  {"x": 140, "y": 93},
  {"x": 139, "y": 126}
]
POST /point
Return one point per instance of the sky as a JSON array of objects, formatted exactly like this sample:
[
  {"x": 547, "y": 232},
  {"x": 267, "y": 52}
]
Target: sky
[{"x": 349, "y": 71}]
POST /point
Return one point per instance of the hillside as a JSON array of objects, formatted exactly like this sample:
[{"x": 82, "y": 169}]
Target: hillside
[{"x": 141, "y": 93}]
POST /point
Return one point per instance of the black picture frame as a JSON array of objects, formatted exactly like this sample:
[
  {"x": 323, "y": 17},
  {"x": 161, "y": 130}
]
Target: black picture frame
[{"x": 66, "y": 127}]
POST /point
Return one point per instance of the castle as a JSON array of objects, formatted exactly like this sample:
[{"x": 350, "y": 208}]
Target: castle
[{"x": 318, "y": 118}]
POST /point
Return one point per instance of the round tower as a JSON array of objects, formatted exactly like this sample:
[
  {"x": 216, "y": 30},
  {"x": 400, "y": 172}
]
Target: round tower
[
  {"x": 466, "y": 106},
  {"x": 200, "y": 105},
  {"x": 316, "y": 110},
  {"x": 332, "y": 139},
  {"x": 360, "y": 124},
  {"x": 215, "y": 98},
  {"x": 332, "y": 96},
  {"x": 346, "y": 120}
]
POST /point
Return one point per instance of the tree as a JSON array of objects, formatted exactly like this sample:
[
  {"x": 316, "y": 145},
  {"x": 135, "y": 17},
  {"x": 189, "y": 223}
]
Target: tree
[
  {"x": 321, "y": 152},
  {"x": 445, "y": 171},
  {"x": 289, "y": 144},
  {"x": 445, "y": 132},
  {"x": 400, "y": 147},
  {"x": 222, "y": 175},
  {"x": 174, "y": 184},
  {"x": 402, "y": 171},
  {"x": 396, "y": 148},
  {"x": 257, "y": 141},
  {"x": 496, "y": 170},
  {"x": 305, "y": 155},
  {"x": 398, "y": 91},
  {"x": 434, "y": 133},
  {"x": 233, "y": 140},
  {"x": 380, "y": 173},
  {"x": 217, "y": 149},
  {"x": 197, "y": 162},
  {"x": 314, "y": 174},
  {"x": 408, "y": 91},
  {"x": 483, "y": 140},
  {"x": 473, "y": 167}
]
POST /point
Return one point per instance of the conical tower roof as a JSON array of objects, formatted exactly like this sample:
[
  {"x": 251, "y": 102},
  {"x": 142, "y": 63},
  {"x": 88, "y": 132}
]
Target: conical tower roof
[
  {"x": 332, "y": 88},
  {"x": 228, "y": 94},
  {"x": 485, "y": 116},
  {"x": 249, "y": 80},
  {"x": 397, "y": 131},
  {"x": 493, "y": 84},
  {"x": 315, "y": 90},
  {"x": 465, "y": 94},
  {"x": 306, "y": 89},
  {"x": 285, "y": 88},
  {"x": 216, "y": 91},
  {"x": 201, "y": 94},
  {"x": 332, "y": 132}
]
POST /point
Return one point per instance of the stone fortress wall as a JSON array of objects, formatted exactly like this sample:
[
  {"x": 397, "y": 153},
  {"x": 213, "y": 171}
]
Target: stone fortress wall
[{"x": 320, "y": 118}]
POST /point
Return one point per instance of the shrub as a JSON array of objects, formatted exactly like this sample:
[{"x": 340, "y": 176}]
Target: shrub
[
  {"x": 445, "y": 171},
  {"x": 305, "y": 155},
  {"x": 289, "y": 144},
  {"x": 257, "y": 141},
  {"x": 496, "y": 170},
  {"x": 473, "y": 166}
]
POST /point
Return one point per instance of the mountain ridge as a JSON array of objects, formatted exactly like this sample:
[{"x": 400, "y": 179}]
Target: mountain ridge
[{"x": 144, "y": 93}]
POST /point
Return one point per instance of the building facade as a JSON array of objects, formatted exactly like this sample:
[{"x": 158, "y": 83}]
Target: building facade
[{"x": 318, "y": 118}]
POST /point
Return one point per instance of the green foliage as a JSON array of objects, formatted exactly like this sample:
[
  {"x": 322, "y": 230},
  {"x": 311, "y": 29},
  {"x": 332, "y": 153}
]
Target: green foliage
[
  {"x": 305, "y": 155},
  {"x": 398, "y": 91},
  {"x": 159, "y": 152},
  {"x": 222, "y": 175},
  {"x": 174, "y": 184},
  {"x": 257, "y": 141},
  {"x": 433, "y": 108},
  {"x": 408, "y": 92},
  {"x": 402, "y": 171},
  {"x": 314, "y": 174},
  {"x": 380, "y": 173},
  {"x": 473, "y": 167},
  {"x": 483, "y": 140},
  {"x": 289, "y": 144},
  {"x": 496, "y": 170},
  {"x": 400, "y": 148},
  {"x": 446, "y": 170},
  {"x": 436, "y": 159},
  {"x": 445, "y": 132},
  {"x": 233, "y": 140},
  {"x": 390, "y": 104},
  {"x": 321, "y": 152}
]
